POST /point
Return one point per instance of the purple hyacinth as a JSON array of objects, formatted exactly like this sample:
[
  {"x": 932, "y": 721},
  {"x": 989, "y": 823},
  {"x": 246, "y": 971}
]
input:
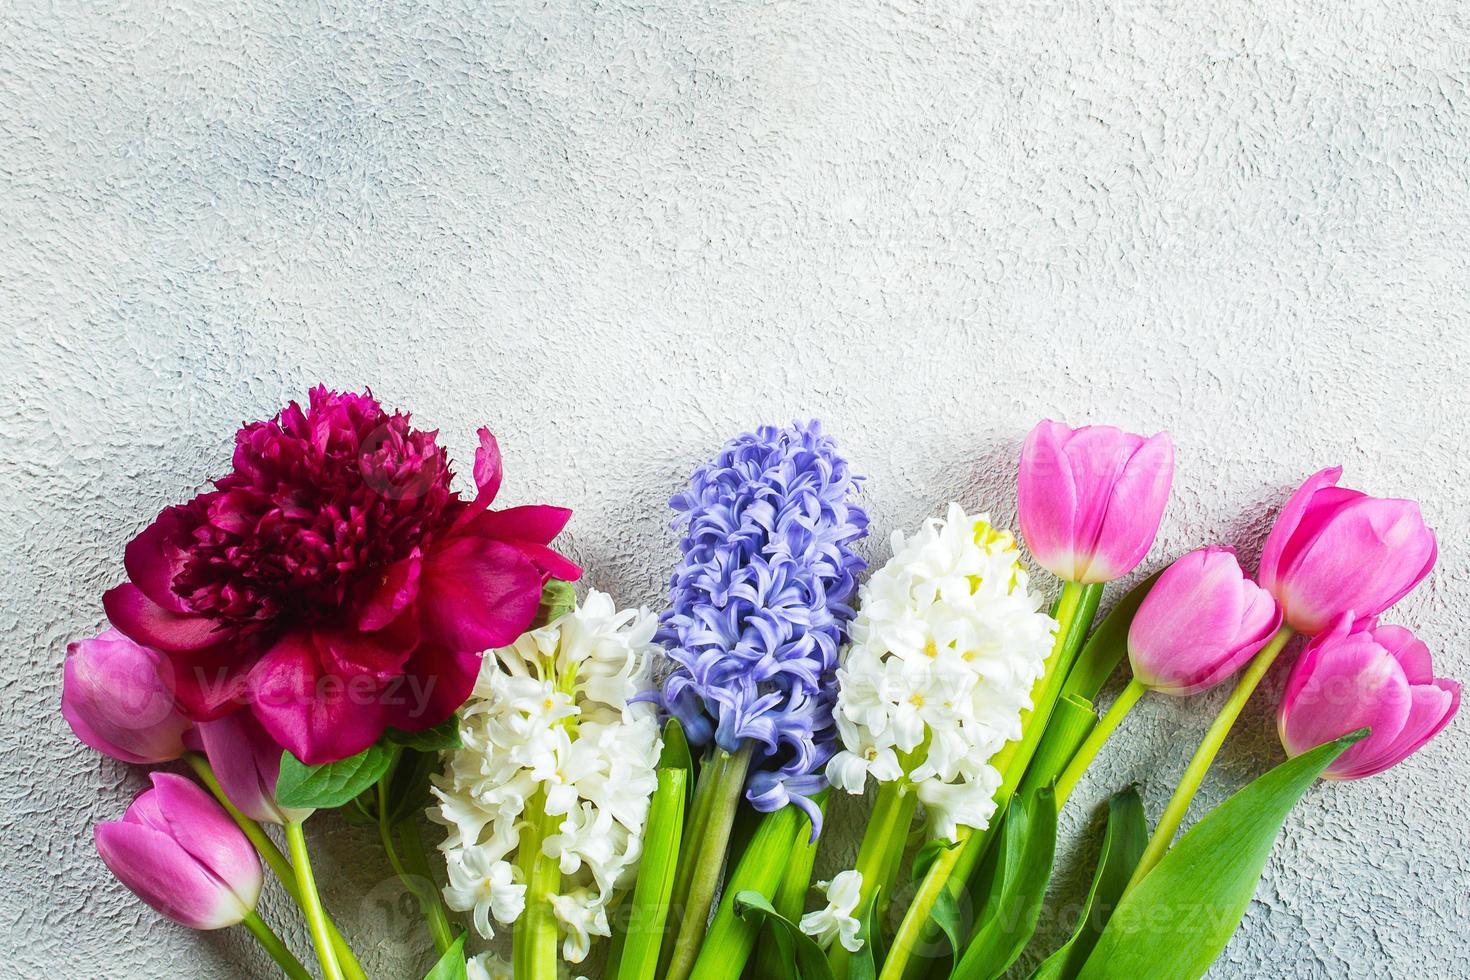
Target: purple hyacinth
[{"x": 760, "y": 605}]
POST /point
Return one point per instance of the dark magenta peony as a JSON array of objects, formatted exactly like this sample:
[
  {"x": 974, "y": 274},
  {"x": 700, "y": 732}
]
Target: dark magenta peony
[{"x": 333, "y": 582}]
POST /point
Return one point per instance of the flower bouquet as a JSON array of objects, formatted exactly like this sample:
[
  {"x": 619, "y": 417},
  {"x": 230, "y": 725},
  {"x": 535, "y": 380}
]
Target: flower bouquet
[{"x": 641, "y": 795}]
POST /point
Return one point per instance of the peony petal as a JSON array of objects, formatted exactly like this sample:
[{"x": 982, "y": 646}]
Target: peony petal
[
  {"x": 203, "y": 828},
  {"x": 379, "y": 654},
  {"x": 154, "y": 559},
  {"x": 146, "y": 622},
  {"x": 211, "y": 683},
  {"x": 435, "y": 683},
  {"x": 395, "y": 592},
  {"x": 160, "y": 872},
  {"x": 317, "y": 716},
  {"x": 477, "y": 594},
  {"x": 550, "y": 562},
  {"x": 488, "y": 468},
  {"x": 487, "y": 472},
  {"x": 538, "y": 523}
]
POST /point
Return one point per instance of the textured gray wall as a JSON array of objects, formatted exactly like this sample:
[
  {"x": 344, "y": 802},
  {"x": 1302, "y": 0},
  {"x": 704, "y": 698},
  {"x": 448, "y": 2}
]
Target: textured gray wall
[{"x": 619, "y": 232}]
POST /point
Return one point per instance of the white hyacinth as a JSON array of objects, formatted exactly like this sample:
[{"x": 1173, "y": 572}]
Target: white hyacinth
[
  {"x": 947, "y": 644},
  {"x": 836, "y": 921},
  {"x": 550, "y": 726}
]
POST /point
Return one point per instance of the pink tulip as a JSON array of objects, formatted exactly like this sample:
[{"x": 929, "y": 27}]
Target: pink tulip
[
  {"x": 1201, "y": 622},
  {"x": 117, "y": 697},
  {"x": 1334, "y": 549},
  {"x": 1379, "y": 678},
  {"x": 1091, "y": 499},
  {"x": 247, "y": 762},
  {"x": 178, "y": 850}
]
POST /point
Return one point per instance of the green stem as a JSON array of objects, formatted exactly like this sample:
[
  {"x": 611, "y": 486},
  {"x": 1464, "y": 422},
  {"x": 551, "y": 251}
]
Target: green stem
[
  {"x": 885, "y": 836},
  {"x": 274, "y": 859},
  {"x": 1097, "y": 738},
  {"x": 533, "y": 945},
  {"x": 727, "y": 775},
  {"x": 429, "y": 895},
  {"x": 695, "y": 825},
  {"x": 1194, "y": 773},
  {"x": 283, "y": 956},
  {"x": 311, "y": 902},
  {"x": 952, "y": 869}
]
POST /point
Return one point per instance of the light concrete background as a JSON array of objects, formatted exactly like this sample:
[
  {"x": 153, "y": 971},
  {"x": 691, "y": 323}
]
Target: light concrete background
[{"x": 619, "y": 232}]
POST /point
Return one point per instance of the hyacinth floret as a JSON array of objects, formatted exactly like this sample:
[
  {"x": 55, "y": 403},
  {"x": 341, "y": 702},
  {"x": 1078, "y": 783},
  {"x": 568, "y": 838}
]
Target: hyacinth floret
[{"x": 760, "y": 605}]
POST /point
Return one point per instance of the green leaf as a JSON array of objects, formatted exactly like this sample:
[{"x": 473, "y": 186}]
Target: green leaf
[
  {"x": 676, "y": 755},
  {"x": 1071, "y": 722},
  {"x": 451, "y": 965},
  {"x": 1107, "y": 645},
  {"x": 442, "y": 737},
  {"x": 1123, "y": 843},
  {"x": 641, "y": 933},
  {"x": 928, "y": 854},
  {"x": 557, "y": 599},
  {"x": 803, "y": 958},
  {"x": 1178, "y": 919},
  {"x": 408, "y": 788},
  {"x": 1023, "y": 867},
  {"x": 950, "y": 920},
  {"x": 864, "y": 964},
  {"x": 300, "y": 786}
]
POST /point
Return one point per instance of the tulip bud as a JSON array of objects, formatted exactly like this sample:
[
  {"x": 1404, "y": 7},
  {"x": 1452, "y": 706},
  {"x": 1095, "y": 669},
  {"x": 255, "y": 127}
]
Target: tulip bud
[
  {"x": 1334, "y": 549},
  {"x": 247, "y": 762},
  {"x": 117, "y": 697},
  {"x": 1379, "y": 678},
  {"x": 179, "y": 851},
  {"x": 1091, "y": 499},
  {"x": 1201, "y": 622}
]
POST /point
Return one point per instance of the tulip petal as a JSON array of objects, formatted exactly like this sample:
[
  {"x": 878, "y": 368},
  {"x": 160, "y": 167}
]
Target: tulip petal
[
  {"x": 1339, "y": 687},
  {"x": 146, "y": 622},
  {"x": 1200, "y": 623},
  {"x": 1134, "y": 508},
  {"x": 203, "y": 829},
  {"x": 1090, "y": 499},
  {"x": 246, "y": 761},
  {"x": 1288, "y": 521},
  {"x": 477, "y": 594},
  {"x": 1367, "y": 556},
  {"x": 118, "y": 698},
  {"x": 319, "y": 717},
  {"x": 160, "y": 872},
  {"x": 1431, "y": 708},
  {"x": 1411, "y": 652},
  {"x": 1047, "y": 498}
]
